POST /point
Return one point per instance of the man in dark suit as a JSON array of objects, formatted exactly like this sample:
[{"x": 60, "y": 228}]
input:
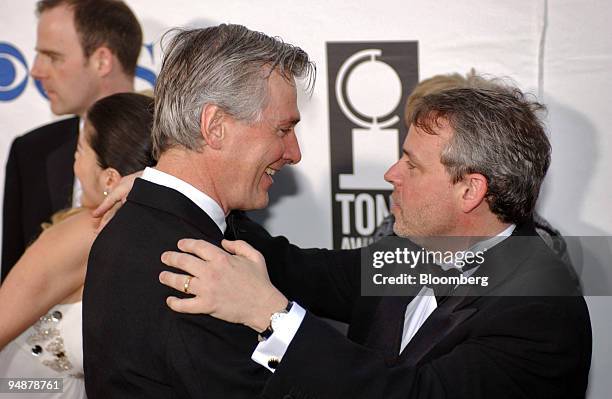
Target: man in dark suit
[
  {"x": 472, "y": 166},
  {"x": 77, "y": 63},
  {"x": 225, "y": 113}
]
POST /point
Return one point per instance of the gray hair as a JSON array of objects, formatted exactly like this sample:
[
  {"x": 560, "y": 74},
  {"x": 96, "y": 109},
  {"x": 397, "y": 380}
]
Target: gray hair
[
  {"x": 225, "y": 65},
  {"x": 497, "y": 133}
]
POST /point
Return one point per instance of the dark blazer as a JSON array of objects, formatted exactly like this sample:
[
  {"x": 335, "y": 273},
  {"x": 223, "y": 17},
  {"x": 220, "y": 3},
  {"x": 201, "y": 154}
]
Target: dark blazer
[
  {"x": 134, "y": 345},
  {"x": 526, "y": 335},
  {"x": 38, "y": 182}
]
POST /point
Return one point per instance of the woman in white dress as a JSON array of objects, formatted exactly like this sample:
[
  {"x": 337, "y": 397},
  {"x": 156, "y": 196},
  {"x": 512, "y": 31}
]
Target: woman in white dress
[{"x": 40, "y": 300}]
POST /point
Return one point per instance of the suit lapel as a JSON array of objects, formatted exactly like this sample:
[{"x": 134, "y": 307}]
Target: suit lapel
[
  {"x": 60, "y": 173},
  {"x": 386, "y": 314},
  {"x": 389, "y": 319},
  {"x": 460, "y": 307},
  {"x": 171, "y": 201},
  {"x": 439, "y": 325}
]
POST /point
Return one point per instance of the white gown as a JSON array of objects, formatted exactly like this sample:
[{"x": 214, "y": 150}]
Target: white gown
[{"x": 51, "y": 348}]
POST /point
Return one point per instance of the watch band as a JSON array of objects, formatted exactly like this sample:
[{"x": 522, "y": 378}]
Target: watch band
[{"x": 265, "y": 334}]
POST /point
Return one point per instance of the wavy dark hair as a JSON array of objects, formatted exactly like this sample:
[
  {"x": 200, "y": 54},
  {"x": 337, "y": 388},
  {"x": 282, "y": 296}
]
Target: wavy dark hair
[{"x": 121, "y": 136}]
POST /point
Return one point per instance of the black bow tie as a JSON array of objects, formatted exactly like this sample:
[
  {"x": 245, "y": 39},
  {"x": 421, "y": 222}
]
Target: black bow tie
[{"x": 443, "y": 281}]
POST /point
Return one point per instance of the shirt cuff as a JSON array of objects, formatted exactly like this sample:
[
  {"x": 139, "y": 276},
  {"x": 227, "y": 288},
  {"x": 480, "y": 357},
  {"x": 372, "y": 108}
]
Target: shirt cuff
[{"x": 270, "y": 352}]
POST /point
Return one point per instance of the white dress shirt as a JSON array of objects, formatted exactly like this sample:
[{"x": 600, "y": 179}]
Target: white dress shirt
[
  {"x": 203, "y": 201},
  {"x": 417, "y": 312},
  {"x": 276, "y": 345}
]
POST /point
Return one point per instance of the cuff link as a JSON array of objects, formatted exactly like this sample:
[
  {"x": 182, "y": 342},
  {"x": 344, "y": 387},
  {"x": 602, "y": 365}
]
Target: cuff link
[{"x": 273, "y": 363}]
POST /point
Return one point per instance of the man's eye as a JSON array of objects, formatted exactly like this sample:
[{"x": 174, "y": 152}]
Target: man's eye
[{"x": 410, "y": 165}]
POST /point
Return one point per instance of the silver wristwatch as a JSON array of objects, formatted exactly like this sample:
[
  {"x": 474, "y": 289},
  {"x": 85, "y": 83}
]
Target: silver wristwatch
[{"x": 274, "y": 320}]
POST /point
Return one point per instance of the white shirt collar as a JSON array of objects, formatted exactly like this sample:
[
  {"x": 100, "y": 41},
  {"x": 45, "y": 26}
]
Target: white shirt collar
[
  {"x": 203, "y": 201},
  {"x": 493, "y": 241},
  {"x": 483, "y": 246}
]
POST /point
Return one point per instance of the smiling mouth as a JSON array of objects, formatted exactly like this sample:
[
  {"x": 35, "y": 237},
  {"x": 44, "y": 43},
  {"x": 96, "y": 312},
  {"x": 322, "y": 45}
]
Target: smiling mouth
[{"x": 270, "y": 172}]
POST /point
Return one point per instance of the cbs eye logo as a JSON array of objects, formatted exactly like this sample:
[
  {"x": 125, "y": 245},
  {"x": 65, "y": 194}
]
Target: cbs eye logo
[{"x": 14, "y": 72}]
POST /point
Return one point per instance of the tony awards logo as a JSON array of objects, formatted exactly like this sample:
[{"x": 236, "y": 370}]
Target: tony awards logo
[
  {"x": 368, "y": 93},
  {"x": 368, "y": 83}
]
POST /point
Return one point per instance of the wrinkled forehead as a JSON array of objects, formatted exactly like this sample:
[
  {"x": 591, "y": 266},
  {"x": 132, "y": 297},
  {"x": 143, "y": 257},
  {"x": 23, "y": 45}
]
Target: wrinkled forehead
[{"x": 427, "y": 144}]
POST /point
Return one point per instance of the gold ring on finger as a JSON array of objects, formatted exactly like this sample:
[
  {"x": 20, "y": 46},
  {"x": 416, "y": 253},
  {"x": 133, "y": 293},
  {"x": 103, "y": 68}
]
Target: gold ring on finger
[{"x": 186, "y": 284}]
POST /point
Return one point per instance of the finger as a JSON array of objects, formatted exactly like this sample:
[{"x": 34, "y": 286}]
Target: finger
[
  {"x": 119, "y": 194},
  {"x": 186, "y": 305},
  {"x": 200, "y": 248},
  {"x": 173, "y": 280},
  {"x": 242, "y": 248},
  {"x": 185, "y": 262},
  {"x": 110, "y": 200},
  {"x": 108, "y": 216}
]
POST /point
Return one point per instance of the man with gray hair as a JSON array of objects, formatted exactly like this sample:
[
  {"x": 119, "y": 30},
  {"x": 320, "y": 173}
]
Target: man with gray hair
[{"x": 225, "y": 114}]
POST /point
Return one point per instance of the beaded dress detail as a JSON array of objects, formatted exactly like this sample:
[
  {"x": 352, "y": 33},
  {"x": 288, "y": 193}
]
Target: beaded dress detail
[{"x": 51, "y": 348}]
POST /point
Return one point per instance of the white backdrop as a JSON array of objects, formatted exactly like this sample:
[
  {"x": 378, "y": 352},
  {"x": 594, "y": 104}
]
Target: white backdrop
[{"x": 560, "y": 50}]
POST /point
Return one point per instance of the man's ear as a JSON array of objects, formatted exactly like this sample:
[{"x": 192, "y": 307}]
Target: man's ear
[
  {"x": 102, "y": 60},
  {"x": 474, "y": 188},
  {"x": 110, "y": 178},
  {"x": 212, "y": 125}
]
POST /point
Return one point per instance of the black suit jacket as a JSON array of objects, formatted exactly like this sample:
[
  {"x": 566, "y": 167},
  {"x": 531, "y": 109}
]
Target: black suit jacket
[
  {"x": 525, "y": 335},
  {"x": 38, "y": 182},
  {"x": 134, "y": 345}
]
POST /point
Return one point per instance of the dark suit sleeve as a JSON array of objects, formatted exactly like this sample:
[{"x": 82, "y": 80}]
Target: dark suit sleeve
[
  {"x": 326, "y": 282},
  {"x": 529, "y": 350},
  {"x": 209, "y": 358},
  {"x": 12, "y": 228}
]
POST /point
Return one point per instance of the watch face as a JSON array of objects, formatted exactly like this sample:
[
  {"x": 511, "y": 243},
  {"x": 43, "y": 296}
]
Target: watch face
[{"x": 276, "y": 318}]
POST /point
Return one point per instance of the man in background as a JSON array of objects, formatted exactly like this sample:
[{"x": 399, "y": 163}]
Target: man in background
[{"x": 86, "y": 50}]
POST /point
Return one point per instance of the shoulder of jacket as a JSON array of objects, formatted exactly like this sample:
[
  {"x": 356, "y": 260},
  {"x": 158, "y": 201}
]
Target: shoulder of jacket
[{"x": 54, "y": 133}]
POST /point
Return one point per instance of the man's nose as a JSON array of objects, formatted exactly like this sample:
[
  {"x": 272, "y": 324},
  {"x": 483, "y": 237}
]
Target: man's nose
[
  {"x": 292, "y": 149},
  {"x": 37, "y": 70},
  {"x": 391, "y": 173}
]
